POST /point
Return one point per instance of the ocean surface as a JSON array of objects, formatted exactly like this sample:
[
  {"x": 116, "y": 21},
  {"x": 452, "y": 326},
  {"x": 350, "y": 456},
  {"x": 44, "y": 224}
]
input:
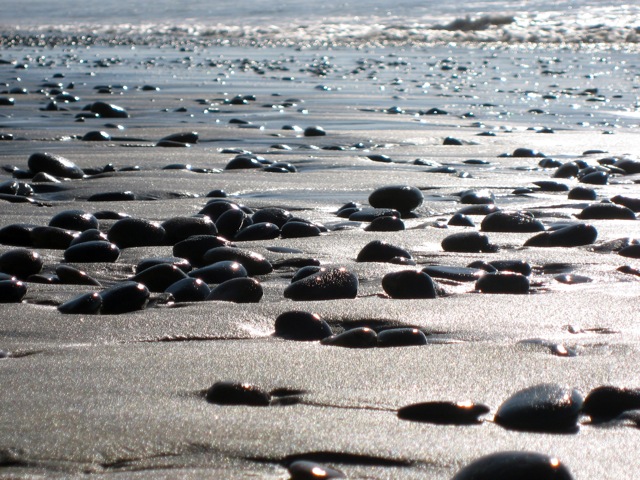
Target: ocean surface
[{"x": 337, "y": 21}]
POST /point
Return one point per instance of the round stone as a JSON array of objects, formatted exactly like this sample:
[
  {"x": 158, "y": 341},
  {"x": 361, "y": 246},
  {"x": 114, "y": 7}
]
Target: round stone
[
  {"x": 21, "y": 263},
  {"x": 90, "y": 235},
  {"x": 12, "y": 291},
  {"x": 231, "y": 393},
  {"x": 257, "y": 231},
  {"x": 294, "y": 229},
  {"x": 379, "y": 251},
  {"x": 385, "y": 224},
  {"x": 307, "y": 470},
  {"x": 54, "y": 165},
  {"x": 444, "y": 413},
  {"x": 124, "y": 297},
  {"x": 569, "y": 236},
  {"x": 97, "y": 251},
  {"x": 107, "y": 110},
  {"x": 219, "y": 272},
  {"x": 278, "y": 216},
  {"x": 253, "y": 262},
  {"x": 361, "y": 337},
  {"x": 238, "y": 290},
  {"x": 503, "y": 283},
  {"x": 74, "y": 220},
  {"x": 504, "y": 221},
  {"x": 180, "y": 228},
  {"x": 401, "y": 337},
  {"x": 300, "y": 325},
  {"x": 471, "y": 242},
  {"x": 72, "y": 276},
  {"x": 514, "y": 465},
  {"x": 403, "y": 198},
  {"x": 189, "y": 290},
  {"x": 52, "y": 237},
  {"x": 194, "y": 248},
  {"x": 86, "y": 303},
  {"x": 606, "y": 211},
  {"x": 329, "y": 284},
  {"x": 159, "y": 277},
  {"x": 408, "y": 284},
  {"x": 607, "y": 402},
  {"x": 136, "y": 232}
]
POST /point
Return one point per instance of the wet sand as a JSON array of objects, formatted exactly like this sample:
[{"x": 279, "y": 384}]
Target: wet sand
[{"x": 120, "y": 395}]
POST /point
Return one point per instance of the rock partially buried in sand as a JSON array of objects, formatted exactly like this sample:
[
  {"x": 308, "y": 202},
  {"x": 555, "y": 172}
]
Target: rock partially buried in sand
[
  {"x": 194, "y": 248},
  {"x": 159, "y": 277},
  {"x": 97, "y": 251},
  {"x": 124, "y": 297},
  {"x": 546, "y": 407},
  {"x": 514, "y": 465},
  {"x": 607, "y": 402},
  {"x": 178, "y": 229},
  {"x": 458, "y": 274},
  {"x": 403, "y": 198},
  {"x": 379, "y": 251},
  {"x": 306, "y": 470},
  {"x": 470, "y": 242},
  {"x": 220, "y": 272},
  {"x": 401, "y": 337},
  {"x": 238, "y": 290},
  {"x": 74, "y": 220},
  {"x": 606, "y": 211},
  {"x": 21, "y": 262},
  {"x": 52, "y": 237},
  {"x": 361, "y": 337},
  {"x": 408, "y": 284},
  {"x": 301, "y": 325},
  {"x": 570, "y": 236},
  {"x": 503, "y": 283},
  {"x": 329, "y": 284},
  {"x": 314, "y": 132},
  {"x": 87, "y": 303},
  {"x": 295, "y": 229},
  {"x": 231, "y": 393},
  {"x": 91, "y": 235},
  {"x": 108, "y": 110},
  {"x": 257, "y": 231},
  {"x": 136, "y": 232},
  {"x": 189, "y": 290},
  {"x": 385, "y": 224},
  {"x": 72, "y": 276},
  {"x": 444, "y": 413},
  {"x": 253, "y": 262},
  {"x": 54, "y": 165},
  {"x": 504, "y": 221},
  {"x": 12, "y": 291}
]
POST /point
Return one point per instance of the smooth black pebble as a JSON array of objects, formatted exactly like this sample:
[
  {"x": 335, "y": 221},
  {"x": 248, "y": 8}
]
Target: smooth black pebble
[
  {"x": 159, "y": 277},
  {"x": 194, "y": 248},
  {"x": 254, "y": 263},
  {"x": 444, "y": 413},
  {"x": 506, "y": 283},
  {"x": 87, "y": 303},
  {"x": 238, "y": 290},
  {"x": 124, "y": 297},
  {"x": 12, "y": 291},
  {"x": 96, "y": 251},
  {"x": 300, "y": 325},
  {"x": 78, "y": 220},
  {"x": 329, "y": 284},
  {"x": 54, "y": 165},
  {"x": 401, "y": 337},
  {"x": 607, "y": 402},
  {"x": 189, "y": 290},
  {"x": 361, "y": 337},
  {"x": 570, "y": 236},
  {"x": 231, "y": 393},
  {"x": 307, "y": 470},
  {"x": 69, "y": 275},
  {"x": 409, "y": 284},
  {"x": 514, "y": 465},
  {"x": 21, "y": 262},
  {"x": 606, "y": 211},
  {"x": 379, "y": 251},
  {"x": 180, "y": 228},
  {"x": 136, "y": 232},
  {"x": 219, "y": 272},
  {"x": 403, "y": 198},
  {"x": 471, "y": 242},
  {"x": 504, "y": 221}
]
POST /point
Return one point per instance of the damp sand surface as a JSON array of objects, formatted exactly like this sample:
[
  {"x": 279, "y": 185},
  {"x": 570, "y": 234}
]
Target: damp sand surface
[{"x": 120, "y": 395}]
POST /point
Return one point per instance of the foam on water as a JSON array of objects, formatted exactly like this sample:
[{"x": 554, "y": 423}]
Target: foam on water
[{"x": 335, "y": 21}]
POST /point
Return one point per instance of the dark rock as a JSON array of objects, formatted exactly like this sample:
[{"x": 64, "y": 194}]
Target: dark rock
[
  {"x": 408, "y": 284},
  {"x": 159, "y": 277},
  {"x": 582, "y": 193},
  {"x": 628, "y": 165},
  {"x": 527, "y": 153},
  {"x": 567, "y": 170},
  {"x": 514, "y": 465},
  {"x": 219, "y": 272},
  {"x": 314, "y": 132},
  {"x": 504, "y": 221},
  {"x": 444, "y": 413},
  {"x": 452, "y": 141},
  {"x": 216, "y": 207},
  {"x": 477, "y": 210},
  {"x": 180, "y": 228},
  {"x": 307, "y": 470},
  {"x": 503, "y": 283},
  {"x": 481, "y": 265},
  {"x": 17, "y": 234},
  {"x": 571, "y": 279},
  {"x": 189, "y": 290},
  {"x": 550, "y": 186},
  {"x": 96, "y": 136},
  {"x": 401, "y": 337},
  {"x": 184, "y": 137},
  {"x": 607, "y": 402},
  {"x": 231, "y": 222},
  {"x": 52, "y": 237},
  {"x": 194, "y": 248},
  {"x": 460, "y": 220},
  {"x": 467, "y": 242},
  {"x": 72, "y": 276},
  {"x": 385, "y": 224},
  {"x": 74, "y": 220},
  {"x": 515, "y": 266},
  {"x": 570, "y": 236},
  {"x": 258, "y": 231},
  {"x": 606, "y": 211},
  {"x": 299, "y": 230},
  {"x": 21, "y": 263},
  {"x": 300, "y": 325},
  {"x": 362, "y": 337},
  {"x": 87, "y": 303},
  {"x": 112, "y": 197},
  {"x": 629, "y": 202},
  {"x": 136, "y": 232},
  {"x": 230, "y": 393},
  {"x": 370, "y": 214},
  {"x": 12, "y": 291},
  {"x": 595, "y": 178},
  {"x": 277, "y": 216},
  {"x": 238, "y": 290},
  {"x": 182, "y": 263},
  {"x": 403, "y": 198},
  {"x": 306, "y": 271},
  {"x": 217, "y": 193},
  {"x": 546, "y": 407},
  {"x": 379, "y": 251},
  {"x": 242, "y": 162},
  {"x": 378, "y": 157},
  {"x": 459, "y": 274},
  {"x": 90, "y": 235},
  {"x": 124, "y": 297},
  {"x": 54, "y": 165},
  {"x": 477, "y": 197},
  {"x": 89, "y": 252},
  {"x": 329, "y": 284},
  {"x": 632, "y": 251},
  {"x": 106, "y": 110},
  {"x": 254, "y": 263}
]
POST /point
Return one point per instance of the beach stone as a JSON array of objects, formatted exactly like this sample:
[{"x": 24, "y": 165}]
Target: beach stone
[
  {"x": 78, "y": 220},
  {"x": 607, "y": 402},
  {"x": 97, "y": 251},
  {"x": 180, "y": 228},
  {"x": 10, "y": 187},
  {"x": 96, "y": 136},
  {"x": 379, "y": 157},
  {"x": 314, "y": 132},
  {"x": 471, "y": 242},
  {"x": 12, "y": 290},
  {"x": 87, "y": 303},
  {"x": 409, "y": 284},
  {"x": 504, "y": 221},
  {"x": 629, "y": 165},
  {"x": 112, "y": 197},
  {"x": 514, "y": 465},
  {"x": 477, "y": 197},
  {"x": 295, "y": 229},
  {"x": 90, "y": 235},
  {"x": 595, "y": 178},
  {"x": 606, "y": 211},
  {"x": 231, "y": 393},
  {"x": 329, "y": 284},
  {"x": 570, "y": 236},
  {"x": 231, "y": 222},
  {"x": 243, "y": 162},
  {"x": 136, "y": 232},
  {"x": 379, "y": 251},
  {"x": 515, "y": 266},
  {"x": 629, "y": 202},
  {"x": 189, "y": 290},
  {"x": 307, "y": 470},
  {"x": 571, "y": 279},
  {"x": 551, "y": 186},
  {"x": 370, "y": 214},
  {"x": 182, "y": 137},
  {"x": 503, "y": 283},
  {"x": 182, "y": 263},
  {"x": 477, "y": 210},
  {"x": 108, "y": 110},
  {"x": 482, "y": 265},
  {"x": 217, "y": 206},
  {"x": 458, "y": 274},
  {"x": 460, "y": 220},
  {"x": 194, "y": 248},
  {"x": 545, "y": 407},
  {"x": 582, "y": 193},
  {"x": 124, "y": 297},
  {"x": 253, "y": 262},
  {"x": 403, "y": 198},
  {"x": 300, "y": 325},
  {"x": 567, "y": 170},
  {"x": 217, "y": 193},
  {"x": 69, "y": 275},
  {"x": 277, "y": 216},
  {"x": 444, "y": 413},
  {"x": 17, "y": 235},
  {"x": 452, "y": 141},
  {"x": 238, "y": 290},
  {"x": 306, "y": 271},
  {"x": 21, "y": 263},
  {"x": 401, "y": 337},
  {"x": 527, "y": 153},
  {"x": 258, "y": 231},
  {"x": 159, "y": 277},
  {"x": 385, "y": 224},
  {"x": 52, "y": 237},
  {"x": 361, "y": 337},
  {"x": 632, "y": 251},
  {"x": 219, "y": 272},
  {"x": 54, "y": 165}
]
